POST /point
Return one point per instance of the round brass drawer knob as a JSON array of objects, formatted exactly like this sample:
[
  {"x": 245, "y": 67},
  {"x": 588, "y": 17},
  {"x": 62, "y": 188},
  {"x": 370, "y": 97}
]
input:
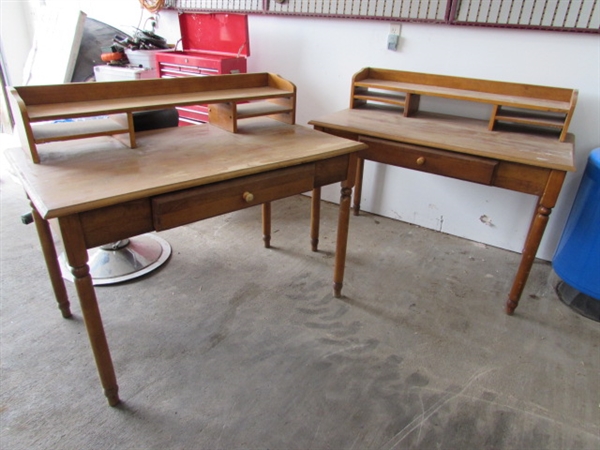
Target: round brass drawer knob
[
  {"x": 420, "y": 160},
  {"x": 248, "y": 196}
]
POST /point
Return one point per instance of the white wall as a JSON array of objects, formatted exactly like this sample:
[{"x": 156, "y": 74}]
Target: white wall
[
  {"x": 321, "y": 55},
  {"x": 16, "y": 37}
]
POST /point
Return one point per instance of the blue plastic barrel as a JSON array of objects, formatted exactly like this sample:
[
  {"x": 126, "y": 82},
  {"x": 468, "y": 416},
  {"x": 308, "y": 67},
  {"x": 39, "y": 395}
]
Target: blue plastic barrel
[{"x": 577, "y": 258}]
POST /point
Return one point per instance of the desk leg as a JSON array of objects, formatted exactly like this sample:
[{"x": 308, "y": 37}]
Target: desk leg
[
  {"x": 77, "y": 256},
  {"x": 58, "y": 284},
  {"x": 360, "y": 167},
  {"x": 315, "y": 218},
  {"x": 266, "y": 224},
  {"x": 342, "y": 241},
  {"x": 534, "y": 237}
]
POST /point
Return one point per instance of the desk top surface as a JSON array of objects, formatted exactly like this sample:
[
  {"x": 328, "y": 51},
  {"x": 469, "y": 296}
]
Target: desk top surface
[
  {"x": 76, "y": 176},
  {"x": 459, "y": 134}
]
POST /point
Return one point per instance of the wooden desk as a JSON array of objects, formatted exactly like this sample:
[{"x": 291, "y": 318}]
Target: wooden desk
[
  {"x": 465, "y": 149},
  {"x": 100, "y": 191}
]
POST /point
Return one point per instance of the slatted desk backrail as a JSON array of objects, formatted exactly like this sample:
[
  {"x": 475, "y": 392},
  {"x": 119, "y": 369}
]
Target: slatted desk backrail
[
  {"x": 56, "y": 112},
  {"x": 514, "y": 103}
]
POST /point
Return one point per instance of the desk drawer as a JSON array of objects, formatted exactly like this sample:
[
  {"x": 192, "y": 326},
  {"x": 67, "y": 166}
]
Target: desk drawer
[
  {"x": 191, "y": 205},
  {"x": 439, "y": 162}
]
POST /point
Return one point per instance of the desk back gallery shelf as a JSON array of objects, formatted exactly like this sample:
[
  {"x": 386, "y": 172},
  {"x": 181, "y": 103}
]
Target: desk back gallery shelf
[
  {"x": 513, "y": 103},
  {"x": 63, "y": 112}
]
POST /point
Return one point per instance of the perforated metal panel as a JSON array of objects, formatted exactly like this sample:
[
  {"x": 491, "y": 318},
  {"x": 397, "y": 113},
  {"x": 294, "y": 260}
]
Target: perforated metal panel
[
  {"x": 563, "y": 14},
  {"x": 217, "y": 5},
  {"x": 559, "y": 15},
  {"x": 426, "y": 10}
]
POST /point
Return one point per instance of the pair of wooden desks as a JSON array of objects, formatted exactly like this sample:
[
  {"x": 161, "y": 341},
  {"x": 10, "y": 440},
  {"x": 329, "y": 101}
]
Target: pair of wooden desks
[{"x": 100, "y": 191}]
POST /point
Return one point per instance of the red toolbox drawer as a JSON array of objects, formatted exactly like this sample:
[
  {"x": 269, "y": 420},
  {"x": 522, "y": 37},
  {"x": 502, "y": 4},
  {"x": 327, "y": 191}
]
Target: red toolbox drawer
[{"x": 213, "y": 44}]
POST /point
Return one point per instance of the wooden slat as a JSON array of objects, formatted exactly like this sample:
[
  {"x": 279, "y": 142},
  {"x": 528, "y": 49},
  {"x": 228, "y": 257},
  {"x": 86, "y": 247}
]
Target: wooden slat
[
  {"x": 76, "y": 92},
  {"x": 90, "y": 107},
  {"x": 471, "y": 84},
  {"x": 513, "y": 100}
]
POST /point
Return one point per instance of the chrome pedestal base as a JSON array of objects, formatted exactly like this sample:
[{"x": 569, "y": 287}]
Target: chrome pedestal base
[{"x": 123, "y": 260}]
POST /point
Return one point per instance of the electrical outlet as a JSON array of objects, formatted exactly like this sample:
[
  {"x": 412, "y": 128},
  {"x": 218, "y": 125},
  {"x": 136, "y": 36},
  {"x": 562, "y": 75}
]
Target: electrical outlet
[{"x": 395, "y": 29}]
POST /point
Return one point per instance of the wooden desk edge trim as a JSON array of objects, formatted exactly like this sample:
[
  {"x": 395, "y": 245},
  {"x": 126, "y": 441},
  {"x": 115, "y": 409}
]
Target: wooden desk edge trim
[
  {"x": 48, "y": 212},
  {"x": 322, "y": 126}
]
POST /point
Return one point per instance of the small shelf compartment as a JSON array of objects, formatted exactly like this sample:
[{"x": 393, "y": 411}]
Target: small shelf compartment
[
  {"x": 226, "y": 115},
  {"x": 262, "y": 108},
  {"x": 381, "y": 96},
  {"x": 68, "y": 129},
  {"x": 528, "y": 117}
]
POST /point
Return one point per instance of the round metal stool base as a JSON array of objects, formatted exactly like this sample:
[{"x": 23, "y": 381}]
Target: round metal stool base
[{"x": 123, "y": 260}]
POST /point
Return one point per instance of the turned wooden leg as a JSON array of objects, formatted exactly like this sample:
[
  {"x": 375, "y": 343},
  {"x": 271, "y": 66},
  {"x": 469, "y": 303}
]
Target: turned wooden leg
[
  {"x": 532, "y": 244},
  {"x": 49, "y": 251},
  {"x": 360, "y": 167},
  {"x": 266, "y": 224},
  {"x": 342, "y": 241},
  {"x": 315, "y": 218},
  {"x": 77, "y": 256},
  {"x": 534, "y": 237}
]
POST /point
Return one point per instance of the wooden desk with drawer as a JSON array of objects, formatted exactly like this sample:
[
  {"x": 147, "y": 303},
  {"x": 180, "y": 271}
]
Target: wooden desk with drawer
[
  {"x": 101, "y": 191},
  {"x": 466, "y": 149}
]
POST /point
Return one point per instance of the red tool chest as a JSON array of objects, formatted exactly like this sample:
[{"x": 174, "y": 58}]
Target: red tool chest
[{"x": 213, "y": 44}]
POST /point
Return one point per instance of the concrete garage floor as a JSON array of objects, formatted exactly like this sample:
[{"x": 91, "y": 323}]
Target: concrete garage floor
[{"x": 233, "y": 346}]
